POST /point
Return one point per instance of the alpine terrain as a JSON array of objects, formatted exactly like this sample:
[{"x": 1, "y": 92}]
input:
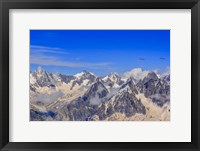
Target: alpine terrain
[{"x": 133, "y": 96}]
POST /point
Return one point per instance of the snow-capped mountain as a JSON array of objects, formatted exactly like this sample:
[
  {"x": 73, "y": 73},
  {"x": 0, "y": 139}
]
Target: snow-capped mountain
[
  {"x": 96, "y": 93},
  {"x": 65, "y": 78},
  {"x": 96, "y": 103},
  {"x": 88, "y": 97},
  {"x": 129, "y": 86},
  {"x": 112, "y": 80},
  {"x": 150, "y": 76},
  {"x": 125, "y": 101},
  {"x": 40, "y": 78},
  {"x": 156, "y": 89},
  {"x": 83, "y": 78}
]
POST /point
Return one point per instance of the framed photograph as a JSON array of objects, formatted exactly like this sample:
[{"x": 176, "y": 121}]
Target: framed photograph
[{"x": 99, "y": 75}]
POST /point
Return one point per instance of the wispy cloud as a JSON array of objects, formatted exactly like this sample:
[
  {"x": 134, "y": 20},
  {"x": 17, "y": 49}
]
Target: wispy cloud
[
  {"x": 35, "y": 49},
  {"x": 54, "y": 61}
]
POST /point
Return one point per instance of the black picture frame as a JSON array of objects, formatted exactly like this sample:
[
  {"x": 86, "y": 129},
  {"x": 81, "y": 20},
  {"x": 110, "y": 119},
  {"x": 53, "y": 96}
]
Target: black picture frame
[{"x": 5, "y": 5}]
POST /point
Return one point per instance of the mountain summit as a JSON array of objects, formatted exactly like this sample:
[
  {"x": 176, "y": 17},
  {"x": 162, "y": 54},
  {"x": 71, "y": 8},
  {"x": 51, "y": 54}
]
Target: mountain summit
[{"x": 84, "y": 96}]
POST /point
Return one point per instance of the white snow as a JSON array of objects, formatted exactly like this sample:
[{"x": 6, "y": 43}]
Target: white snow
[
  {"x": 32, "y": 79},
  {"x": 57, "y": 77},
  {"x": 79, "y": 75},
  {"x": 116, "y": 85},
  {"x": 85, "y": 82},
  {"x": 92, "y": 73},
  {"x": 112, "y": 77},
  {"x": 105, "y": 78},
  {"x": 126, "y": 88}
]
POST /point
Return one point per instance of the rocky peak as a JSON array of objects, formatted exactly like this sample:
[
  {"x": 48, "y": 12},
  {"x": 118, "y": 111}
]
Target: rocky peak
[
  {"x": 97, "y": 91},
  {"x": 113, "y": 76},
  {"x": 112, "y": 79},
  {"x": 152, "y": 75},
  {"x": 129, "y": 85},
  {"x": 84, "y": 74},
  {"x": 39, "y": 70},
  {"x": 166, "y": 78}
]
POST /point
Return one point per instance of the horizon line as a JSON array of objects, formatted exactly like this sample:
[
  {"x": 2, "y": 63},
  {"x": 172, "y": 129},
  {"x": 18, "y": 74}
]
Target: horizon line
[{"x": 167, "y": 71}]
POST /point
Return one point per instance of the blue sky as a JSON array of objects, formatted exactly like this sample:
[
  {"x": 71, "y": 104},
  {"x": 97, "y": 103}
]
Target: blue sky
[{"x": 99, "y": 51}]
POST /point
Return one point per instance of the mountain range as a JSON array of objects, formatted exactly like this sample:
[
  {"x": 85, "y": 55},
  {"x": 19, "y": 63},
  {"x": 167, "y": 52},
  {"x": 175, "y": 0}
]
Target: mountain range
[{"x": 135, "y": 95}]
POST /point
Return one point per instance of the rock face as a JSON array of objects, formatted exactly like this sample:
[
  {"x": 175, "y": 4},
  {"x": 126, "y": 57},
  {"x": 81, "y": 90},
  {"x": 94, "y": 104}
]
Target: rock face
[
  {"x": 40, "y": 78},
  {"x": 129, "y": 86},
  {"x": 66, "y": 79},
  {"x": 124, "y": 102},
  {"x": 127, "y": 104},
  {"x": 42, "y": 116},
  {"x": 86, "y": 107},
  {"x": 156, "y": 89},
  {"x": 96, "y": 93},
  {"x": 100, "y": 98},
  {"x": 82, "y": 110}
]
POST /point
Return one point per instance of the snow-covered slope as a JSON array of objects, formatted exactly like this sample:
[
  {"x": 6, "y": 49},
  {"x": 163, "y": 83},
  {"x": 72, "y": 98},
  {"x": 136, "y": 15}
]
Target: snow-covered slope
[
  {"x": 113, "y": 80},
  {"x": 96, "y": 93},
  {"x": 84, "y": 96}
]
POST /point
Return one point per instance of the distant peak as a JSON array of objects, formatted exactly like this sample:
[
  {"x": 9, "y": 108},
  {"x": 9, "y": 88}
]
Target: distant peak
[
  {"x": 83, "y": 73},
  {"x": 86, "y": 72},
  {"x": 130, "y": 81},
  {"x": 152, "y": 75},
  {"x": 98, "y": 80},
  {"x": 113, "y": 73},
  {"x": 39, "y": 68}
]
